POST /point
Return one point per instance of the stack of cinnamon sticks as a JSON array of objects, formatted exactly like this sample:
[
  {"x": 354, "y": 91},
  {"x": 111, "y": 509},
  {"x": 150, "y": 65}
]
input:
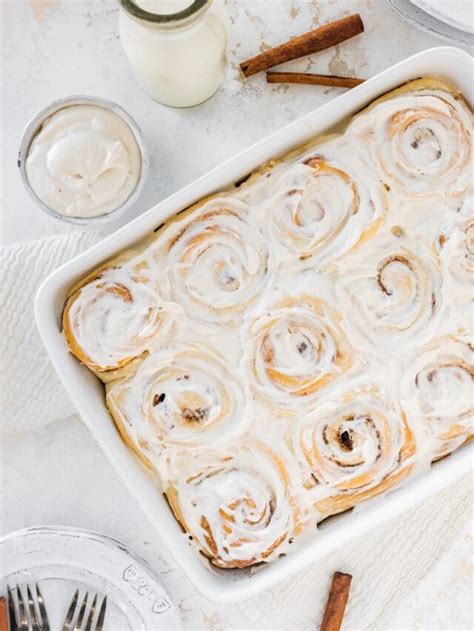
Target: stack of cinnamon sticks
[{"x": 314, "y": 41}]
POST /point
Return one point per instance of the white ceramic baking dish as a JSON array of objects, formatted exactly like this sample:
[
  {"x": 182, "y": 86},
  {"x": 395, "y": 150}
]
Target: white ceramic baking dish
[{"x": 88, "y": 395}]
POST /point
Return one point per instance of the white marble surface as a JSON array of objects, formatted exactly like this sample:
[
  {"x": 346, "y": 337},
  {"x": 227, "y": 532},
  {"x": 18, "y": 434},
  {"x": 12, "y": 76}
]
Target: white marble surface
[{"x": 52, "y": 49}]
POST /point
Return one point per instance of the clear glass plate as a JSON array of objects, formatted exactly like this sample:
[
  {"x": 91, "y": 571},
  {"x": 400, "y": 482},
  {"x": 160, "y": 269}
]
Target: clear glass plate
[
  {"x": 411, "y": 13},
  {"x": 62, "y": 560}
]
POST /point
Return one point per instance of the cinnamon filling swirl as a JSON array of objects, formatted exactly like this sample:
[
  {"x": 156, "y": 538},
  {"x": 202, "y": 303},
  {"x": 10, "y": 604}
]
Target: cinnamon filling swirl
[
  {"x": 354, "y": 447},
  {"x": 242, "y": 508},
  {"x": 421, "y": 142},
  {"x": 215, "y": 261},
  {"x": 113, "y": 319},
  {"x": 437, "y": 391},
  {"x": 294, "y": 351}
]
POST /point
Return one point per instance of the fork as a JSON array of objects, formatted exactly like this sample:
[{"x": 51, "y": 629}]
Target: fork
[
  {"x": 76, "y": 614},
  {"x": 23, "y": 619}
]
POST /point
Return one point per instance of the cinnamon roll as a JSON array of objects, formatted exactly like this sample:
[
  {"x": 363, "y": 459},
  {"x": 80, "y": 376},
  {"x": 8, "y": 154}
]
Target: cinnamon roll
[
  {"x": 437, "y": 391},
  {"x": 390, "y": 296},
  {"x": 352, "y": 447},
  {"x": 214, "y": 260},
  {"x": 184, "y": 397},
  {"x": 456, "y": 249},
  {"x": 294, "y": 351},
  {"x": 114, "y": 317},
  {"x": 419, "y": 137},
  {"x": 324, "y": 207},
  {"x": 240, "y": 508}
]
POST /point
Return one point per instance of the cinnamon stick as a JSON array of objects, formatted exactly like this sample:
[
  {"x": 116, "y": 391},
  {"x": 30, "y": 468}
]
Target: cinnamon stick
[
  {"x": 3, "y": 615},
  {"x": 337, "y": 600},
  {"x": 311, "y": 42},
  {"x": 313, "y": 79}
]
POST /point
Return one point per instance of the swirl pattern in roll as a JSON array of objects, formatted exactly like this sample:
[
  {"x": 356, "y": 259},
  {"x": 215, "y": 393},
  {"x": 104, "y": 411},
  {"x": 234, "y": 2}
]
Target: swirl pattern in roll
[
  {"x": 324, "y": 207},
  {"x": 352, "y": 447},
  {"x": 241, "y": 508},
  {"x": 391, "y": 297},
  {"x": 421, "y": 141},
  {"x": 215, "y": 260},
  {"x": 294, "y": 351},
  {"x": 185, "y": 396},
  {"x": 437, "y": 390},
  {"x": 114, "y": 318}
]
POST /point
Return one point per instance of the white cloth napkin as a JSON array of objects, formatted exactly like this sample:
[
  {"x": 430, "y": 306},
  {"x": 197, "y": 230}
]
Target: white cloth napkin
[
  {"x": 30, "y": 392},
  {"x": 387, "y": 565}
]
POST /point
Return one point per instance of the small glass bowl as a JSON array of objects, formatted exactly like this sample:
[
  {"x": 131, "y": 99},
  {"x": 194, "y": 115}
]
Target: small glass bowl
[{"x": 33, "y": 128}]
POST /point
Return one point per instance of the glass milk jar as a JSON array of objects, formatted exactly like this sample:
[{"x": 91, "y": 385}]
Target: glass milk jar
[{"x": 176, "y": 48}]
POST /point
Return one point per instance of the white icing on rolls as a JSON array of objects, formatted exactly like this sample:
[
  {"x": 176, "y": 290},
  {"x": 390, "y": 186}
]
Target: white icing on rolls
[
  {"x": 241, "y": 507},
  {"x": 421, "y": 141},
  {"x": 437, "y": 390},
  {"x": 215, "y": 260},
  {"x": 115, "y": 317},
  {"x": 294, "y": 350},
  {"x": 390, "y": 296},
  {"x": 456, "y": 250},
  {"x": 353, "y": 446},
  {"x": 462, "y": 265},
  {"x": 323, "y": 207},
  {"x": 183, "y": 396},
  {"x": 298, "y": 343}
]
